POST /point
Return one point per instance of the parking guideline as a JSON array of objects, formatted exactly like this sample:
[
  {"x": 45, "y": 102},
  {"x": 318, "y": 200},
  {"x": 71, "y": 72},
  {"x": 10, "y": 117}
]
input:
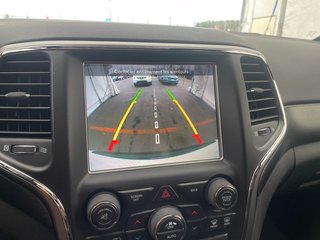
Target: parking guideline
[
  {"x": 195, "y": 132},
  {"x": 123, "y": 119}
]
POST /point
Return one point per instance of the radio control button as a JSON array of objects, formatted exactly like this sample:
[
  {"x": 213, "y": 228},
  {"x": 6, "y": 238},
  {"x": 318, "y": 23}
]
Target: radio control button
[
  {"x": 165, "y": 193},
  {"x": 137, "y": 196},
  {"x": 221, "y": 194}
]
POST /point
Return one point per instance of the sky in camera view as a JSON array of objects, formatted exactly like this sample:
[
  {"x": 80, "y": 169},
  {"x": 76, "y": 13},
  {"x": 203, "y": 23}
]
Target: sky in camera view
[{"x": 167, "y": 12}]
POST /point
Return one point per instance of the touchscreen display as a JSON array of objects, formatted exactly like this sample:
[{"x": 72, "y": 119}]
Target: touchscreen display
[{"x": 148, "y": 115}]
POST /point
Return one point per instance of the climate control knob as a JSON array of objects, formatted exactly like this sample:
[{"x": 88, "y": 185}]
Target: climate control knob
[
  {"x": 103, "y": 211},
  {"x": 221, "y": 194},
  {"x": 167, "y": 223}
]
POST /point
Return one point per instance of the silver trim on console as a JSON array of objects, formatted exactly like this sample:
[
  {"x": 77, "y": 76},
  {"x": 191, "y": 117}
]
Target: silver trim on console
[
  {"x": 59, "y": 215},
  {"x": 56, "y": 209},
  {"x": 254, "y": 182},
  {"x": 98, "y": 45}
]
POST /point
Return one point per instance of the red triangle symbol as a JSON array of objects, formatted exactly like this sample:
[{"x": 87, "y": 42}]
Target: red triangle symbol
[
  {"x": 165, "y": 194},
  {"x": 137, "y": 222},
  {"x": 194, "y": 213}
]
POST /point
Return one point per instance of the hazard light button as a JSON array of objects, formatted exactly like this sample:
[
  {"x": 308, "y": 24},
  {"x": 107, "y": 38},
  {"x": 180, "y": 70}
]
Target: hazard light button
[{"x": 165, "y": 193}]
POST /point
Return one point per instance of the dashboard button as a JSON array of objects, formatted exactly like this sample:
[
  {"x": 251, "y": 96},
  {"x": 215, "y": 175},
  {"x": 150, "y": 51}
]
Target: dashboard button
[
  {"x": 167, "y": 222},
  {"x": 137, "y": 235},
  {"x": 227, "y": 220},
  {"x": 264, "y": 131},
  {"x": 192, "y": 212},
  {"x": 221, "y": 194},
  {"x": 137, "y": 196},
  {"x": 165, "y": 193},
  {"x": 138, "y": 220},
  {"x": 214, "y": 223},
  {"x": 24, "y": 149},
  {"x": 192, "y": 190},
  {"x": 170, "y": 224},
  {"x": 226, "y": 198},
  {"x": 103, "y": 216},
  {"x": 171, "y": 236},
  {"x": 112, "y": 236},
  {"x": 103, "y": 211},
  {"x": 195, "y": 228}
]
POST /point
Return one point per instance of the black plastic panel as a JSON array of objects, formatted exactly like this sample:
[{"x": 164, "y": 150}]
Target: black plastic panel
[
  {"x": 67, "y": 175},
  {"x": 85, "y": 185}
]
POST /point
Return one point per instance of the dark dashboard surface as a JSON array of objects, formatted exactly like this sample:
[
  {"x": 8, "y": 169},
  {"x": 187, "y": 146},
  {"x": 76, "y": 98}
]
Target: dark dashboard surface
[
  {"x": 281, "y": 53},
  {"x": 250, "y": 159}
]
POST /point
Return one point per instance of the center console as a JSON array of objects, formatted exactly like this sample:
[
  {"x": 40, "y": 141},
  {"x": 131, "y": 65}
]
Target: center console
[
  {"x": 184, "y": 211},
  {"x": 158, "y": 163},
  {"x": 149, "y": 141},
  {"x": 164, "y": 136}
]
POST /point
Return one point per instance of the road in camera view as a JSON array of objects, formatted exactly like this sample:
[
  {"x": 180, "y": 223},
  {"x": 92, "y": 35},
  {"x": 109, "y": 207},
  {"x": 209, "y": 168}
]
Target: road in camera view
[{"x": 148, "y": 120}]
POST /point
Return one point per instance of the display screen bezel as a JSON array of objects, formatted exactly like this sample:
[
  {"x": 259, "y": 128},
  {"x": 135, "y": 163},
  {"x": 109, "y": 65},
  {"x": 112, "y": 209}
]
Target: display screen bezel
[{"x": 217, "y": 105}]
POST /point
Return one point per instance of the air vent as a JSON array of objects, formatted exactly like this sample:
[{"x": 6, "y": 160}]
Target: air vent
[
  {"x": 25, "y": 105},
  {"x": 260, "y": 92}
]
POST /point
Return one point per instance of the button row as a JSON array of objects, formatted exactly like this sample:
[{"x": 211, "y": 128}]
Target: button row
[
  {"x": 140, "y": 220},
  {"x": 212, "y": 224},
  {"x": 165, "y": 193},
  {"x": 142, "y": 235},
  {"x": 196, "y": 221},
  {"x": 194, "y": 229},
  {"x": 215, "y": 223}
]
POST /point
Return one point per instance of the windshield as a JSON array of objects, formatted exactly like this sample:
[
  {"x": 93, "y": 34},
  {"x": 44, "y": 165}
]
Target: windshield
[{"x": 269, "y": 17}]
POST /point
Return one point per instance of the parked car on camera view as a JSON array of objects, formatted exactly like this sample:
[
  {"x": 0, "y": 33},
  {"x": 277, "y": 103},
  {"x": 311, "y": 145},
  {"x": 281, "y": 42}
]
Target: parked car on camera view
[
  {"x": 142, "y": 80},
  {"x": 169, "y": 79}
]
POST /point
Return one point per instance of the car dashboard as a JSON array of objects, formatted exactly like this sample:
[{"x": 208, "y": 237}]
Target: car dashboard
[{"x": 128, "y": 131}]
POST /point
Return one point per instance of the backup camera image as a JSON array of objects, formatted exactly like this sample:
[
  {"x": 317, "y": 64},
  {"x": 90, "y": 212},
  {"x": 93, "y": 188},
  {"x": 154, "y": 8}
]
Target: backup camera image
[{"x": 144, "y": 115}]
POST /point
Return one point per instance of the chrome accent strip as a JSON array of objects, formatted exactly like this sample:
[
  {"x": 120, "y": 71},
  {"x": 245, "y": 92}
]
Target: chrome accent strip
[
  {"x": 91, "y": 45},
  {"x": 98, "y": 45},
  {"x": 254, "y": 182},
  {"x": 34, "y": 148},
  {"x": 56, "y": 209}
]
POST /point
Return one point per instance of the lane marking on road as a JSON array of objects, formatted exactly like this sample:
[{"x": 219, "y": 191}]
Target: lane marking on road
[
  {"x": 195, "y": 132},
  {"x": 146, "y": 131},
  {"x": 157, "y": 138},
  {"x": 156, "y": 123},
  {"x": 123, "y": 119}
]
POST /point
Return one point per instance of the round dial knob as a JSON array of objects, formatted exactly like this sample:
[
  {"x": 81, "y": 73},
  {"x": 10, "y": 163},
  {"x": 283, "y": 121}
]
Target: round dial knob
[
  {"x": 103, "y": 211},
  {"x": 167, "y": 223},
  {"x": 222, "y": 194}
]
